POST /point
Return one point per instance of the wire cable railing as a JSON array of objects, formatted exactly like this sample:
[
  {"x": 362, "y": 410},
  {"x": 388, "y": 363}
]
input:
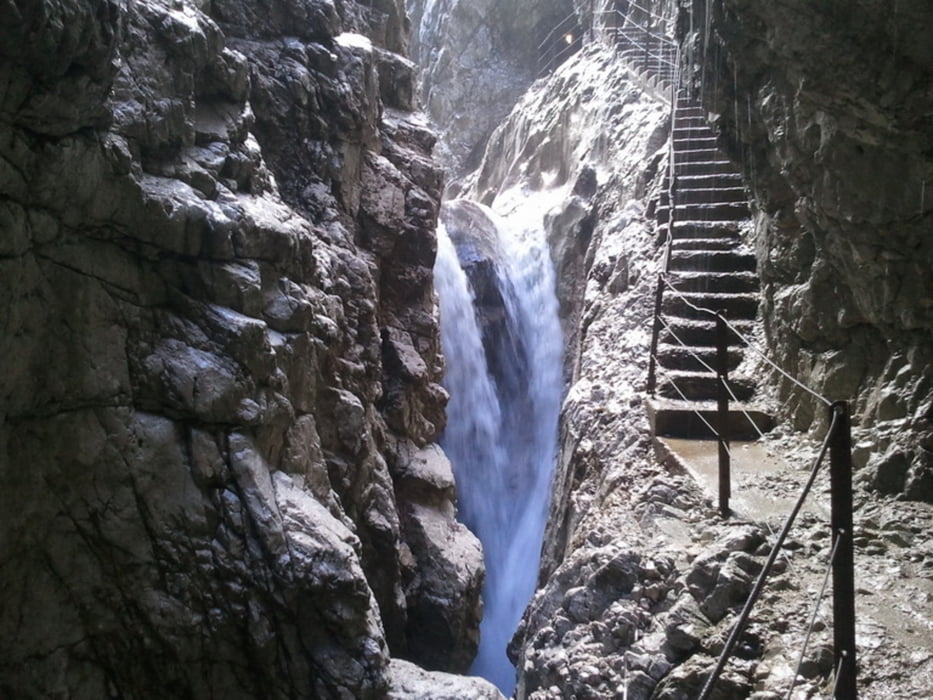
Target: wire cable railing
[
  {"x": 696, "y": 411},
  {"x": 813, "y": 618},
  {"x": 691, "y": 351},
  {"x": 746, "y": 341},
  {"x": 564, "y": 40},
  {"x": 654, "y": 59},
  {"x": 836, "y": 444},
  {"x": 647, "y": 51}
]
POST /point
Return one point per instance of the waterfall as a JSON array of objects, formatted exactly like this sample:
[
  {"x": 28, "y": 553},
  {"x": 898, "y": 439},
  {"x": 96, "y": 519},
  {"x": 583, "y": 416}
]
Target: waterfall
[{"x": 501, "y": 432}]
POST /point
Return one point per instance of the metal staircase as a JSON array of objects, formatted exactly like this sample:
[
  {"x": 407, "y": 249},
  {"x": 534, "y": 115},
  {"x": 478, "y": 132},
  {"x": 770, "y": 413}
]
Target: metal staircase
[{"x": 701, "y": 213}]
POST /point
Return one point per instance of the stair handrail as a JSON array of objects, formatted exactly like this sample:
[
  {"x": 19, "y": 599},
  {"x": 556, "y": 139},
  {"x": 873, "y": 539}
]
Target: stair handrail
[
  {"x": 838, "y": 443},
  {"x": 550, "y": 35},
  {"x": 668, "y": 242},
  {"x": 662, "y": 41},
  {"x": 650, "y": 44},
  {"x": 546, "y": 66}
]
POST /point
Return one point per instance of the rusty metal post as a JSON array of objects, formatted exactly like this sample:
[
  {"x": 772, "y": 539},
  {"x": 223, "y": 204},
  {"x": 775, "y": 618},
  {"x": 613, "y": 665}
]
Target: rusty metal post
[
  {"x": 840, "y": 475},
  {"x": 655, "y": 334},
  {"x": 722, "y": 413}
]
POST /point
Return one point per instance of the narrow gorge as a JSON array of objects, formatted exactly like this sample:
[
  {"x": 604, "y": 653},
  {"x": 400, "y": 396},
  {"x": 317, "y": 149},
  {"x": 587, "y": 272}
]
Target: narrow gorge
[{"x": 327, "y": 330}]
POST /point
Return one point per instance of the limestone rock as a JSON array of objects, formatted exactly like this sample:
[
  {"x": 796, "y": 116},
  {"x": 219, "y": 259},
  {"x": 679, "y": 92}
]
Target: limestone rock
[
  {"x": 444, "y": 605},
  {"x": 407, "y": 682},
  {"x": 847, "y": 295},
  {"x": 204, "y": 345},
  {"x": 477, "y": 58},
  {"x": 445, "y": 572}
]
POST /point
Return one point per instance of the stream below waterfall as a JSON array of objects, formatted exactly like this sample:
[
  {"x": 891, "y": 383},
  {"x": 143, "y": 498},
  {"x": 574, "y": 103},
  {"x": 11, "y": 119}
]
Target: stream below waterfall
[{"x": 504, "y": 376}]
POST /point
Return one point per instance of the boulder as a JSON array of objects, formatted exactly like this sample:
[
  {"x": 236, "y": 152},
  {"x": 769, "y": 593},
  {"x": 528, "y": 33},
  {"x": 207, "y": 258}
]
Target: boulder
[{"x": 408, "y": 682}]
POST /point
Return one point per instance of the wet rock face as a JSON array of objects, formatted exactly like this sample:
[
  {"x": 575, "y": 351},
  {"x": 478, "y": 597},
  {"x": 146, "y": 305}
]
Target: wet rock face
[
  {"x": 641, "y": 579},
  {"x": 475, "y": 236},
  {"x": 831, "y": 115},
  {"x": 477, "y": 57},
  {"x": 220, "y": 351}
]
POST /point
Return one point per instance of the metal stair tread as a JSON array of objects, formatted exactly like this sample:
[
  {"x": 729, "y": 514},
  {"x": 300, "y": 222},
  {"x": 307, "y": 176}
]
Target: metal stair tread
[
  {"x": 701, "y": 224},
  {"x": 686, "y": 322},
  {"x": 706, "y": 244},
  {"x": 719, "y": 295},
  {"x": 736, "y": 176},
  {"x": 667, "y": 404},
  {"x": 711, "y": 190}
]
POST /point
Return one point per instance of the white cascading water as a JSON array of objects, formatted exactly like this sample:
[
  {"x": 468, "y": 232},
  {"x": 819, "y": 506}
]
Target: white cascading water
[{"x": 501, "y": 430}]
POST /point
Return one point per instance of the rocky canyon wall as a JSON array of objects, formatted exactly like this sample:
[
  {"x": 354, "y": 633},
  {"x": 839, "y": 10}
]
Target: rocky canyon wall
[
  {"x": 828, "y": 106},
  {"x": 589, "y": 146},
  {"x": 641, "y": 579},
  {"x": 221, "y": 356},
  {"x": 477, "y": 57}
]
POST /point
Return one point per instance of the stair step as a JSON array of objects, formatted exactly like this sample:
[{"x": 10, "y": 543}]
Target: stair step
[
  {"x": 691, "y": 140},
  {"x": 689, "y": 107},
  {"x": 729, "y": 242},
  {"x": 672, "y": 418},
  {"x": 699, "y": 155},
  {"x": 695, "y": 359},
  {"x": 734, "y": 306},
  {"x": 690, "y": 131},
  {"x": 691, "y": 123},
  {"x": 710, "y": 167},
  {"x": 712, "y": 261},
  {"x": 690, "y": 332},
  {"x": 686, "y": 194},
  {"x": 674, "y": 384},
  {"x": 688, "y": 115},
  {"x": 691, "y": 119},
  {"x": 708, "y": 181},
  {"x": 717, "y": 211},
  {"x": 705, "y": 229},
  {"x": 716, "y": 282}
]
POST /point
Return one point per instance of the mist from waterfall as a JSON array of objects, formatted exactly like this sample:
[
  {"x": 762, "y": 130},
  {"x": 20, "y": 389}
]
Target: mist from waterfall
[{"x": 501, "y": 433}]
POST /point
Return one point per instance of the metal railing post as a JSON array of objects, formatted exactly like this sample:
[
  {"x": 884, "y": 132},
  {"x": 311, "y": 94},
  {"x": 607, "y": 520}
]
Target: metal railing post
[
  {"x": 722, "y": 413},
  {"x": 840, "y": 475},
  {"x": 655, "y": 334}
]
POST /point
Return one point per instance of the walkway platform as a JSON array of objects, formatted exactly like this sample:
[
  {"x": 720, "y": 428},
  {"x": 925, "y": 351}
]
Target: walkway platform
[{"x": 752, "y": 464}]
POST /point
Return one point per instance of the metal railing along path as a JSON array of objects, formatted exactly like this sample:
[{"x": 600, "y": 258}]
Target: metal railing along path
[
  {"x": 838, "y": 444},
  {"x": 657, "y": 58},
  {"x": 564, "y": 40}
]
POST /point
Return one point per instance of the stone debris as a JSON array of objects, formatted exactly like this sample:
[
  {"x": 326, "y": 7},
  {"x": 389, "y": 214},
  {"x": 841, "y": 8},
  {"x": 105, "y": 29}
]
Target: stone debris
[{"x": 406, "y": 680}]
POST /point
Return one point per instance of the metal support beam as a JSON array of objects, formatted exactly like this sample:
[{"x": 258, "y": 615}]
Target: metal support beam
[
  {"x": 722, "y": 413},
  {"x": 840, "y": 475},
  {"x": 655, "y": 335}
]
